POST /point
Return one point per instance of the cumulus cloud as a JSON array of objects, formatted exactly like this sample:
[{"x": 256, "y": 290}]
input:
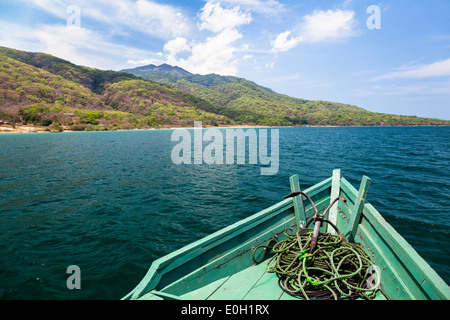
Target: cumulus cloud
[
  {"x": 320, "y": 26},
  {"x": 82, "y": 46},
  {"x": 216, "y": 53},
  {"x": 216, "y": 18},
  {"x": 158, "y": 18},
  {"x": 176, "y": 46},
  {"x": 285, "y": 41},
  {"x": 146, "y": 16},
  {"x": 78, "y": 45}
]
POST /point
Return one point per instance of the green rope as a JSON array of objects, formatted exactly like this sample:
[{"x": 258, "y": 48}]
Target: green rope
[{"x": 336, "y": 269}]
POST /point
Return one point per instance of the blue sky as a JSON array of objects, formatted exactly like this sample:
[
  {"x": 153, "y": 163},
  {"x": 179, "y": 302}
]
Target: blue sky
[{"x": 388, "y": 56}]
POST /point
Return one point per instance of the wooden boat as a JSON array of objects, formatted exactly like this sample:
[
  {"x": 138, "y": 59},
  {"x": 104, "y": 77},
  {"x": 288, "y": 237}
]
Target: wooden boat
[{"x": 221, "y": 265}]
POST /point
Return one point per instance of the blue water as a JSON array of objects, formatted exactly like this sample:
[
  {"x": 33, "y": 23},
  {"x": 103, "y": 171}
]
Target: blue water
[{"x": 112, "y": 202}]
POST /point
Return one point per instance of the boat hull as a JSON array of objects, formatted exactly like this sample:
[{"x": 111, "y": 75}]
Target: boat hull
[{"x": 221, "y": 265}]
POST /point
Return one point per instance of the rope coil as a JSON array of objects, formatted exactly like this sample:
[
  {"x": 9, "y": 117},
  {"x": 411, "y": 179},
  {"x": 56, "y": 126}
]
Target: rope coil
[{"x": 336, "y": 269}]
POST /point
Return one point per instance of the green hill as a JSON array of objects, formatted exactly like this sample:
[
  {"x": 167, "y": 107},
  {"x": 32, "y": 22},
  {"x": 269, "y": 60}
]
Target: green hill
[
  {"x": 43, "y": 90},
  {"x": 164, "y": 68},
  {"x": 261, "y": 105}
]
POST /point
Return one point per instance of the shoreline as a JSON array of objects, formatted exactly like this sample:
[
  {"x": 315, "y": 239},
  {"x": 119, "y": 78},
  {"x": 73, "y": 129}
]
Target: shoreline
[{"x": 8, "y": 129}]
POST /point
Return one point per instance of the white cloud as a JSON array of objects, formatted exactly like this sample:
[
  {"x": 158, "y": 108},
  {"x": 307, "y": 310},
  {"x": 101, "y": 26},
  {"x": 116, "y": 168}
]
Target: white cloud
[
  {"x": 216, "y": 19},
  {"x": 77, "y": 45},
  {"x": 214, "y": 55},
  {"x": 218, "y": 52},
  {"x": 267, "y": 7},
  {"x": 346, "y": 3},
  {"x": 17, "y": 36},
  {"x": 146, "y": 16},
  {"x": 176, "y": 46},
  {"x": 320, "y": 26},
  {"x": 436, "y": 69},
  {"x": 324, "y": 26},
  {"x": 84, "y": 47},
  {"x": 145, "y": 62},
  {"x": 154, "y": 18},
  {"x": 55, "y": 7},
  {"x": 285, "y": 41}
]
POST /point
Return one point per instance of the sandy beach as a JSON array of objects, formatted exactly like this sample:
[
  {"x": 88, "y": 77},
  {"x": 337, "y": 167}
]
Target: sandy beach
[
  {"x": 19, "y": 129},
  {"x": 35, "y": 129}
]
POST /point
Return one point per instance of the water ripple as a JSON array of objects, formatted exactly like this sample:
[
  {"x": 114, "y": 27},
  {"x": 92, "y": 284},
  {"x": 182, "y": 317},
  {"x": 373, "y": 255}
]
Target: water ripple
[{"x": 113, "y": 202}]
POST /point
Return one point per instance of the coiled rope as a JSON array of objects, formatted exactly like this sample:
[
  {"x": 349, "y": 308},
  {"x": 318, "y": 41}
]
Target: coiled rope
[{"x": 335, "y": 270}]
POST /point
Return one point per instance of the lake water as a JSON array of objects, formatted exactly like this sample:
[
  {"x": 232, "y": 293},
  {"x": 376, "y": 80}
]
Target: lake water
[{"x": 112, "y": 202}]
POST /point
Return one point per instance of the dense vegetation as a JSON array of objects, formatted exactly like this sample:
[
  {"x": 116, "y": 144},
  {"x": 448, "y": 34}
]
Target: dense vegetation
[
  {"x": 42, "y": 90},
  {"x": 46, "y": 91},
  {"x": 265, "y": 107}
]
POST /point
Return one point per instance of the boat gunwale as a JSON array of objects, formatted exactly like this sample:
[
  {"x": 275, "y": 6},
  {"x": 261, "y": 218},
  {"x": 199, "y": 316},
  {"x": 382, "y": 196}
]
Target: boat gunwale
[
  {"x": 169, "y": 261},
  {"x": 414, "y": 267}
]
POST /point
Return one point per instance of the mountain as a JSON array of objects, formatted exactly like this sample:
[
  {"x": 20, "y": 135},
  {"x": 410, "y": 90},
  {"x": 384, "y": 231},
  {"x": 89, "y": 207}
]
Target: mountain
[
  {"x": 164, "y": 68},
  {"x": 40, "y": 89},
  {"x": 247, "y": 102},
  {"x": 46, "y": 91},
  {"x": 92, "y": 79}
]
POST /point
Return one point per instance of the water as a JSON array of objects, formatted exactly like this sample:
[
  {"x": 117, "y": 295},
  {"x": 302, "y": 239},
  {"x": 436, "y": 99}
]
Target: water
[{"x": 112, "y": 202}]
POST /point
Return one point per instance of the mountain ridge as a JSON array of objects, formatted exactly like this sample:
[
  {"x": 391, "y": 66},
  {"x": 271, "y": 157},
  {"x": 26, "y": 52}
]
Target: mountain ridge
[
  {"x": 164, "y": 68},
  {"x": 239, "y": 93},
  {"x": 52, "y": 93}
]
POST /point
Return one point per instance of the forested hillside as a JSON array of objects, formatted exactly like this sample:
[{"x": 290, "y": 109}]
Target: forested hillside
[
  {"x": 45, "y": 91},
  {"x": 270, "y": 108},
  {"x": 42, "y": 90}
]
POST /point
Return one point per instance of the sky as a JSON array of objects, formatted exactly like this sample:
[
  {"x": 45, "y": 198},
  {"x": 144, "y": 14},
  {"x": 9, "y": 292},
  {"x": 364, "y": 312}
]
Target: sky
[{"x": 385, "y": 56}]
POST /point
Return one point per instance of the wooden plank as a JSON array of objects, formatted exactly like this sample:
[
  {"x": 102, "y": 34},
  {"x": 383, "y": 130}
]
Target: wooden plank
[
  {"x": 239, "y": 284},
  {"x": 350, "y": 194},
  {"x": 166, "y": 270},
  {"x": 228, "y": 261},
  {"x": 403, "y": 272},
  {"x": 203, "y": 293},
  {"x": 150, "y": 296},
  {"x": 165, "y": 295},
  {"x": 357, "y": 209},
  {"x": 266, "y": 288},
  {"x": 408, "y": 266},
  {"x": 349, "y": 190},
  {"x": 299, "y": 209},
  {"x": 335, "y": 192},
  {"x": 392, "y": 273},
  {"x": 402, "y": 267},
  {"x": 182, "y": 256}
]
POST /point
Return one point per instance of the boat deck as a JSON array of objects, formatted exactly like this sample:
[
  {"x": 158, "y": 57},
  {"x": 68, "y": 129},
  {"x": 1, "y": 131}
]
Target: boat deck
[
  {"x": 220, "y": 266},
  {"x": 253, "y": 283}
]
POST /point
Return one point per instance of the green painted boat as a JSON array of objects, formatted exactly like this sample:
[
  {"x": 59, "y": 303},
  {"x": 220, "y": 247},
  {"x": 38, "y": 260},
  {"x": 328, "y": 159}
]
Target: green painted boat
[{"x": 221, "y": 266}]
